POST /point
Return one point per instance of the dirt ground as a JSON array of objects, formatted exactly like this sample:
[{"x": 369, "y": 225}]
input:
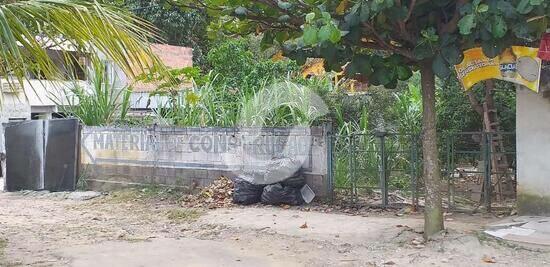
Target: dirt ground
[{"x": 125, "y": 230}]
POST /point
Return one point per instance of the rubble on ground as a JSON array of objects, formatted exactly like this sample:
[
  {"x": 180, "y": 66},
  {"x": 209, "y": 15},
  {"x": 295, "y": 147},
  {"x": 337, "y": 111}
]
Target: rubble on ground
[
  {"x": 219, "y": 194},
  {"x": 525, "y": 229}
]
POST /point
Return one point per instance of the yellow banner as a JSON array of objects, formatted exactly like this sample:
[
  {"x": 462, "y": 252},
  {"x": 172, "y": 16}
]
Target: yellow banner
[{"x": 517, "y": 64}]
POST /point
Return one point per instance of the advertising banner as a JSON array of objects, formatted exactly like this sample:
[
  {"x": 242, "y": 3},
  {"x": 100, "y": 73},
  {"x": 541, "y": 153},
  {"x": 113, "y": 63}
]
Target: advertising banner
[{"x": 517, "y": 64}]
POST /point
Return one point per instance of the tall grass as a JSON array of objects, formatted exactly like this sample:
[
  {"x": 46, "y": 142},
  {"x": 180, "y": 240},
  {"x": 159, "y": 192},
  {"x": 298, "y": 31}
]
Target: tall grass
[
  {"x": 281, "y": 104},
  {"x": 201, "y": 106},
  {"x": 103, "y": 103}
]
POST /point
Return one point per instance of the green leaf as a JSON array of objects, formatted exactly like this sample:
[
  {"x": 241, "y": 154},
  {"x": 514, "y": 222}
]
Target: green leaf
[
  {"x": 422, "y": 52},
  {"x": 310, "y": 17},
  {"x": 391, "y": 85},
  {"x": 300, "y": 57},
  {"x": 524, "y": 7},
  {"x": 506, "y": 8},
  {"x": 324, "y": 33},
  {"x": 498, "y": 27},
  {"x": 493, "y": 48},
  {"x": 466, "y": 24},
  {"x": 440, "y": 67},
  {"x": 452, "y": 54},
  {"x": 403, "y": 72},
  {"x": 360, "y": 64},
  {"x": 352, "y": 19},
  {"x": 364, "y": 12},
  {"x": 429, "y": 34},
  {"x": 448, "y": 39},
  {"x": 354, "y": 35},
  {"x": 328, "y": 52},
  {"x": 397, "y": 13},
  {"x": 335, "y": 34},
  {"x": 310, "y": 35},
  {"x": 536, "y": 2},
  {"x": 482, "y": 8},
  {"x": 281, "y": 36},
  {"x": 351, "y": 69},
  {"x": 283, "y": 18},
  {"x": 381, "y": 77},
  {"x": 284, "y": 5},
  {"x": 466, "y": 9},
  {"x": 521, "y": 30},
  {"x": 267, "y": 40}
]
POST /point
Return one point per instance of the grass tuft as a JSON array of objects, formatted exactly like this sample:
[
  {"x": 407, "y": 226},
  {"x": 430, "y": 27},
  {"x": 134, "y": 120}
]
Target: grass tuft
[{"x": 183, "y": 215}]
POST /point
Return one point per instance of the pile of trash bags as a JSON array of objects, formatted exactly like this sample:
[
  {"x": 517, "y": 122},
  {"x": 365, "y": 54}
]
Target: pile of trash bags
[{"x": 279, "y": 183}]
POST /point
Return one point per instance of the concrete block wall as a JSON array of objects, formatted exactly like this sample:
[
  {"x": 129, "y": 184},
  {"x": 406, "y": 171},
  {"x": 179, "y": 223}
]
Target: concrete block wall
[
  {"x": 194, "y": 157},
  {"x": 533, "y": 153}
]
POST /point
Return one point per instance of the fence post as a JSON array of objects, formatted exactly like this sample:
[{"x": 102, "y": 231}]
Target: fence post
[
  {"x": 450, "y": 170},
  {"x": 382, "y": 177},
  {"x": 487, "y": 172},
  {"x": 351, "y": 174},
  {"x": 330, "y": 174},
  {"x": 414, "y": 166}
]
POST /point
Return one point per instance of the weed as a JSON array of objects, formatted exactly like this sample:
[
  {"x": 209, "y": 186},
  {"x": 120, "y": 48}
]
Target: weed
[
  {"x": 183, "y": 215},
  {"x": 147, "y": 193}
]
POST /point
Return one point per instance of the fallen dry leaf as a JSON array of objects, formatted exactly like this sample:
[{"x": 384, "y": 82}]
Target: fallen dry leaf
[
  {"x": 303, "y": 226},
  {"x": 216, "y": 195},
  {"x": 488, "y": 259}
]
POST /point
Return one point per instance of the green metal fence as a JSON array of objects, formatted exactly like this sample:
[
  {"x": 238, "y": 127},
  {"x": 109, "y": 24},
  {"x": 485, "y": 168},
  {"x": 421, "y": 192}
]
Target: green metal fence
[
  {"x": 384, "y": 169},
  {"x": 378, "y": 169},
  {"x": 480, "y": 169}
]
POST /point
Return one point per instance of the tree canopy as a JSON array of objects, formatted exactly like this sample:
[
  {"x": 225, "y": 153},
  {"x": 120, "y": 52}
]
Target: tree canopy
[
  {"x": 385, "y": 41},
  {"x": 177, "y": 26},
  {"x": 382, "y": 39}
]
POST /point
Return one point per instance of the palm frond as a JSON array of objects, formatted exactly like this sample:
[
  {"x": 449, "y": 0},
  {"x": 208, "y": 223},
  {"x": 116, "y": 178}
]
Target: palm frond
[{"x": 85, "y": 27}]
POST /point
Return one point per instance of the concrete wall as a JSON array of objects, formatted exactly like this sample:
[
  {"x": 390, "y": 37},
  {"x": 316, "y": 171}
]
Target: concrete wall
[
  {"x": 14, "y": 106},
  {"x": 194, "y": 157},
  {"x": 533, "y": 152}
]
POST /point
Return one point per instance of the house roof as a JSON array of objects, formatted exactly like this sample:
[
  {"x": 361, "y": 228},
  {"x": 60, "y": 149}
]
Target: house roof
[{"x": 173, "y": 57}]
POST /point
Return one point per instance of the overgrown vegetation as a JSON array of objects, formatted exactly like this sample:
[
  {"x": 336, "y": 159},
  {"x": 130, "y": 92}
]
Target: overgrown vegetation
[
  {"x": 145, "y": 193},
  {"x": 103, "y": 103}
]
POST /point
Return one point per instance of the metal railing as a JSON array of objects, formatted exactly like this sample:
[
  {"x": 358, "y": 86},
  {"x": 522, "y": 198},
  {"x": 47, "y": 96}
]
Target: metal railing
[
  {"x": 480, "y": 169},
  {"x": 384, "y": 169},
  {"x": 378, "y": 168}
]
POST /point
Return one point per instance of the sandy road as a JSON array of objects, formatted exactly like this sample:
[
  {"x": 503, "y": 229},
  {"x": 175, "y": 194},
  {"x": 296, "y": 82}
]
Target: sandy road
[{"x": 48, "y": 231}]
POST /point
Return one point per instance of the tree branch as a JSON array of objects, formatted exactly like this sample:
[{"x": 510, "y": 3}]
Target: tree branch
[
  {"x": 475, "y": 103},
  {"x": 406, "y": 53},
  {"x": 452, "y": 24}
]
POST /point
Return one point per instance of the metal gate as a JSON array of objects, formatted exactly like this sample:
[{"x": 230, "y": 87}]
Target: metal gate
[
  {"x": 375, "y": 169},
  {"x": 42, "y": 154},
  {"x": 480, "y": 168}
]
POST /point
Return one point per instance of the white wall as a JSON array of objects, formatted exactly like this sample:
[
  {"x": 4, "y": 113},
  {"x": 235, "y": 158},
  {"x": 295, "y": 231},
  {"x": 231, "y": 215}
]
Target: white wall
[{"x": 533, "y": 152}]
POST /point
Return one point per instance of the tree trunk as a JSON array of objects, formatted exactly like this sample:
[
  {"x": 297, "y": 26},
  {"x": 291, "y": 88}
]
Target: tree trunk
[{"x": 433, "y": 214}]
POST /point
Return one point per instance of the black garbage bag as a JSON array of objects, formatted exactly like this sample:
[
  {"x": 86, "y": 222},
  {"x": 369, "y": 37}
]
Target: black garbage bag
[
  {"x": 296, "y": 181},
  {"x": 246, "y": 193},
  {"x": 276, "y": 194}
]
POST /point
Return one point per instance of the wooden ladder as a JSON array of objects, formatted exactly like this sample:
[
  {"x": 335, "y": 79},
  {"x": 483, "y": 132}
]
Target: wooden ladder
[{"x": 500, "y": 167}]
